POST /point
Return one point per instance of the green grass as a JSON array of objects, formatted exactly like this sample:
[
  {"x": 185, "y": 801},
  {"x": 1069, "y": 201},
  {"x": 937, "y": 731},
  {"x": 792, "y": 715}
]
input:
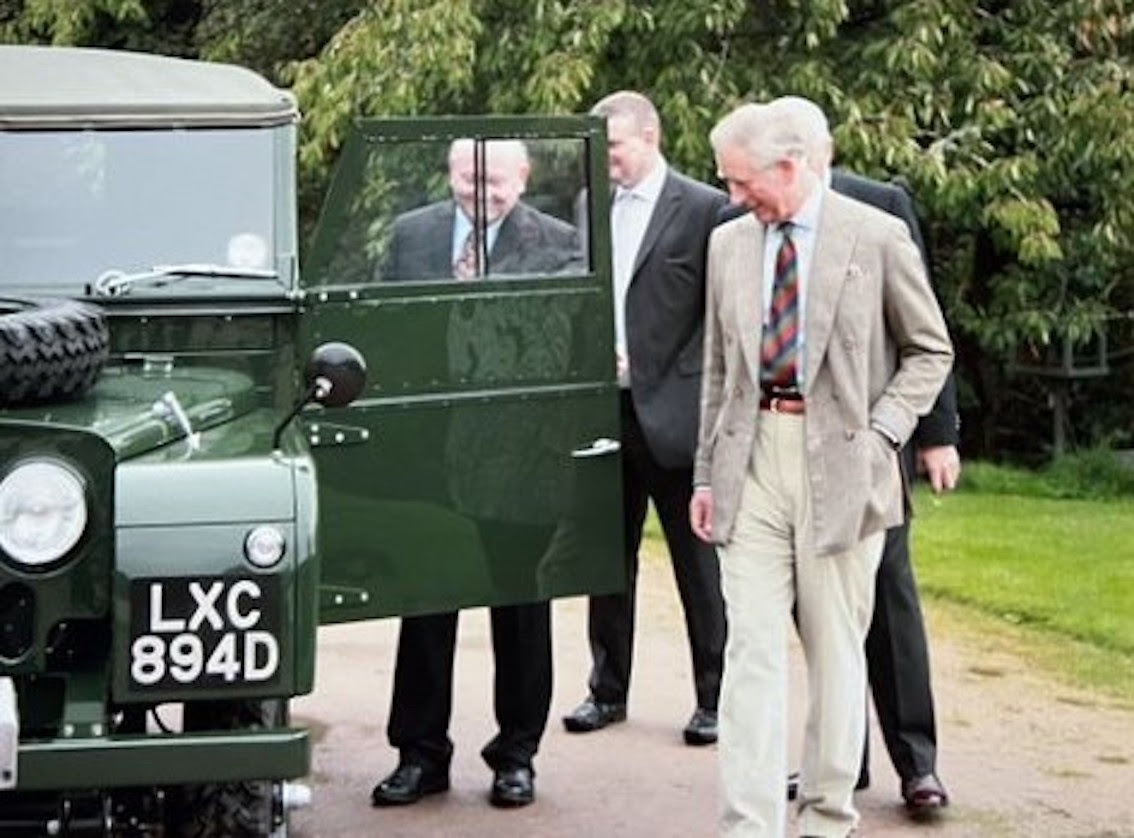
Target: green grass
[
  {"x": 1065, "y": 566},
  {"x": 1063, "y": 569},
  {"x": 1032, "y": 561}
]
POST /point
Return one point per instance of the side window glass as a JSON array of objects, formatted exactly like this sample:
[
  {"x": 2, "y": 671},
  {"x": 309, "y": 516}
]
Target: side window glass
[{"x": 464, "y": 210}]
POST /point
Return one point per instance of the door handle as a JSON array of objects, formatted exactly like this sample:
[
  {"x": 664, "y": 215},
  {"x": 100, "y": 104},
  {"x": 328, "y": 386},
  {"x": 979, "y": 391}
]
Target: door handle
[{"x": 599, "y": 448}]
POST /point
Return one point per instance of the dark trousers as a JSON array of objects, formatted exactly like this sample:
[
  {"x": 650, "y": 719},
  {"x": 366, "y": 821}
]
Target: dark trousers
[
  {"x": 423, "y": 686},
  {"x": 611, "y": 617},
  {"x": 897, "y": 660},
  {"x": 521, "y": 647}
]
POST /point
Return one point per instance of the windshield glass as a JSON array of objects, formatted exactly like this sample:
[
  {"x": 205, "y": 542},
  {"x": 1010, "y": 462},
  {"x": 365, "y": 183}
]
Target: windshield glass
[{"x": 74, "y": 205}]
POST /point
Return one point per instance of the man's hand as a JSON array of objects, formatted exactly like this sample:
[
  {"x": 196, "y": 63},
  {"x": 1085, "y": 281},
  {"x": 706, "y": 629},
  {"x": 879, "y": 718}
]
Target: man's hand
[
  {"x": 701, "y": 513},
  {"x": 942, "y": 465}
]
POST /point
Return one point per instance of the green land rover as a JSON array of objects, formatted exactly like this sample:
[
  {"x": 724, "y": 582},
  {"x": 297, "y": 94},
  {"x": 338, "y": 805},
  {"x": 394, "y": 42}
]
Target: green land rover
[{"x": 206, "y": 452}]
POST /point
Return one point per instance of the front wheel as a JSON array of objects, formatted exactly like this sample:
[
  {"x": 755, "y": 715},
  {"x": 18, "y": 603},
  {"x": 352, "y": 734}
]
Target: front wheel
[{"x": 242, "y": 809}]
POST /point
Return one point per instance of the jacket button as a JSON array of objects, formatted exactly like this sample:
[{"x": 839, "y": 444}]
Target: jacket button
[{"x": 849, "y": 433}]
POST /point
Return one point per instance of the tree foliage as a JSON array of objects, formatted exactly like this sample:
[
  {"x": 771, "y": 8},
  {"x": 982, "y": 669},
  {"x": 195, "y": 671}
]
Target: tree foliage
[{"x": 1011, "y": 120}]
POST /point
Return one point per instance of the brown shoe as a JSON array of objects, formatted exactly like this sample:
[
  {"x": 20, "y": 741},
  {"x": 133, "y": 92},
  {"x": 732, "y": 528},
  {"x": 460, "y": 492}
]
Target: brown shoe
[{"x": 924, "y": 796}]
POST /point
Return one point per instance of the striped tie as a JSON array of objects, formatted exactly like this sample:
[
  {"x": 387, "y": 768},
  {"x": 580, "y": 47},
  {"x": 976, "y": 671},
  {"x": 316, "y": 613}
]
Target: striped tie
[
  {"x": 467, "y": 265},
  {"x": 779, "y": 351}
]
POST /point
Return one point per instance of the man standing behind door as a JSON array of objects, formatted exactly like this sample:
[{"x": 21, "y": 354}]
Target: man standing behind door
[
  {"x": 660, "y": 224},
  {"x": 432, "y": 243}
]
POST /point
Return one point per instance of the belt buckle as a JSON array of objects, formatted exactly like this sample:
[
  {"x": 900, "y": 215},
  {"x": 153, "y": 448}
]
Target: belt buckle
[{"x": 774, "y": 404}]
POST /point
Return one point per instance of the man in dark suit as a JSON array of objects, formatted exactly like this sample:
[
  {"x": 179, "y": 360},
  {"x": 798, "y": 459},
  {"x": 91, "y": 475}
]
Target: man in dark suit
[
  {"x": 456, "y": 240},
  {"x": 660, "y": 223},
  {"x": 504, "y": 236},
  {"x": 897, "y": 652}
]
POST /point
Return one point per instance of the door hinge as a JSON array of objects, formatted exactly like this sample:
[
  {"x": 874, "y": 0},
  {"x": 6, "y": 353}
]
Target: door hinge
[
  {"x": 340, "y": 596},
  {"x": 322, "y": 434}
]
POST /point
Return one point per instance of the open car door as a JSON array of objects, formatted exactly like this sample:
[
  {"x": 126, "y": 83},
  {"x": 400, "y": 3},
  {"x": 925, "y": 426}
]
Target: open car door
[{"x": 481, "y": 464}]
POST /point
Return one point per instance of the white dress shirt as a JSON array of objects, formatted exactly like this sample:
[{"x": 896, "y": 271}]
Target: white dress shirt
[{"x": 629, "y": 218}]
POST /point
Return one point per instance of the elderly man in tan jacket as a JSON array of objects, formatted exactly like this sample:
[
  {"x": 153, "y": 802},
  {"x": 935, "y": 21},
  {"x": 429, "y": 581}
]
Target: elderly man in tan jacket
[{"x": 823, "y": 345}]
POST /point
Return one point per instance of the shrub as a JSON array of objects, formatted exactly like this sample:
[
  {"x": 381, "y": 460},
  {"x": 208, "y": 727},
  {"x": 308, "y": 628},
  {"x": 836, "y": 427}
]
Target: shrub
[{"x": 1093, "y": 474}]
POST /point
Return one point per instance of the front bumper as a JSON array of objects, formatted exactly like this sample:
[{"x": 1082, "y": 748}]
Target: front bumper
[{"x": 163, "y": 759}]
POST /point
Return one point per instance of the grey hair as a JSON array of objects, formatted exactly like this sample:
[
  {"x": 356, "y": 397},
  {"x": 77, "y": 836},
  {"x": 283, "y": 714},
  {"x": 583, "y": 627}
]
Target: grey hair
[
  {"x": 629, "y": 103},
  {"x": 814, "y": 124},
  {"x": 504, "y": 150},
  {"x": 788, "y": 128}
]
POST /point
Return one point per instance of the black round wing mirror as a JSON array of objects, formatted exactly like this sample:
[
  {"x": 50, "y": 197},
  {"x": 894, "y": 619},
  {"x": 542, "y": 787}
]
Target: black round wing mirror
[
  {"x": 334, "y": 377},
  {"x": 335, "y": 374}
]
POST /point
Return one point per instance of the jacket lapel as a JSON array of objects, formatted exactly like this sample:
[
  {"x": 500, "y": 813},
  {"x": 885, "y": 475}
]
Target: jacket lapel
[
  {"x": 512, "y": 241},
  {"x": 746, "y": 292},
  {"x": 439, "y": 229},
  {"x": 669, "y": 202},
  {"x": 830, "y": 268}
]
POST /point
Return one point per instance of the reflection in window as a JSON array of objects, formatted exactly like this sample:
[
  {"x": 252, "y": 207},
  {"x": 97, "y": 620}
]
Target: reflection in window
[{"x": 464, "y": 210}]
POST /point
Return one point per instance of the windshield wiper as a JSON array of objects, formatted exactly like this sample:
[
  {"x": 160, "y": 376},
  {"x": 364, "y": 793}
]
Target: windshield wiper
[{"x": 114, "y": 283}]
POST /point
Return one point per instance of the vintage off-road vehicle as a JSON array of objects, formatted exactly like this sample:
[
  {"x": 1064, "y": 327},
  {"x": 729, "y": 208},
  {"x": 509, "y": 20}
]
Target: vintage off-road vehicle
[{"x": 205, "y": 453}]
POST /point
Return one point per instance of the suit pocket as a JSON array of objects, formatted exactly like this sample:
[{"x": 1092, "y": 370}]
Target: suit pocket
[
  {"x": 885, "y": 473},
  {"x": 857, "y": 470}
]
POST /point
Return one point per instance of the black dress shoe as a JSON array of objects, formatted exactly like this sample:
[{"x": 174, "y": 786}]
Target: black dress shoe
[
  {"x": 408, "y": 783},
  {"x": 512, "y": 787},
  {"x": 593, "y": 715},
  {"x": 702, "y": 727},
  {"x": 924, "y": 796}
]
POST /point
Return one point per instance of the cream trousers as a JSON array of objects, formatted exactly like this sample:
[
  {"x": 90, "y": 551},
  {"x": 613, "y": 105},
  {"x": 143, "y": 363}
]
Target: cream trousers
[{"x": 765, "y": 572}]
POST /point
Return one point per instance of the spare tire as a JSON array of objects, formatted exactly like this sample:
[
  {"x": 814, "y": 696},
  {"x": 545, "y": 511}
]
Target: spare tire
[{"x": 50, "y": 350}]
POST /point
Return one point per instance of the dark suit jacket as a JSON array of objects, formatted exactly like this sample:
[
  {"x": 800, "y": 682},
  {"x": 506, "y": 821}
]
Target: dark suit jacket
[
  {"x": 529, "y": 241},
  {"x": 665, "y": 309},
  {"x": 939, "y": 426}
]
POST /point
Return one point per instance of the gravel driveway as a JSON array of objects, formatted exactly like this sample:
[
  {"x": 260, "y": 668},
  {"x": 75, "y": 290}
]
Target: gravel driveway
[{"x": 1021, "y": 755}]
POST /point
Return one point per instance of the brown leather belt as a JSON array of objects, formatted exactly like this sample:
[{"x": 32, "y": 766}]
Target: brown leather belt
[{"x": 792, "y": 404}]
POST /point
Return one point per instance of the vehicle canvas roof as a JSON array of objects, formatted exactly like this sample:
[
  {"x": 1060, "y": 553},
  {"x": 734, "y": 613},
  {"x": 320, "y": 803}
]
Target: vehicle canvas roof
[{"x": 73, "y": 88}]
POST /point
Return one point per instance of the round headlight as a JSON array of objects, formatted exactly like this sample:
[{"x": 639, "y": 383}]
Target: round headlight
[
  {"x": 264, "y": 546},
  {"x": 43, "y": 512}
]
